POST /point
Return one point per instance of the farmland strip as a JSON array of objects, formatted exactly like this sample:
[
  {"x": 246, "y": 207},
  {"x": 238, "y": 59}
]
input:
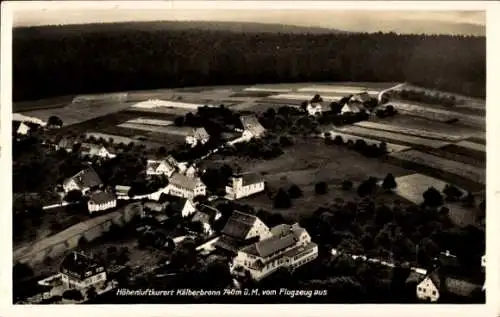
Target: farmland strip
[{"x": 410, "y": 131}]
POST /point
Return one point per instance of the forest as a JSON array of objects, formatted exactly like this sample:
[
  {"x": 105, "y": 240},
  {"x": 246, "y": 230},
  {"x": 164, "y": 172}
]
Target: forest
[{"x": 49, "y": 64}]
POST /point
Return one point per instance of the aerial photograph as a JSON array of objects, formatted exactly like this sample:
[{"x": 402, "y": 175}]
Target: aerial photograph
[{"x": 196, "y": 156}]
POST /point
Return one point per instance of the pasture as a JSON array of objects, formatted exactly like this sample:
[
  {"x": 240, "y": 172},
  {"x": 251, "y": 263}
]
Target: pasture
[
  {"x": 150, "y": 121},
  {"x": 411, "y": 187},
  {"x": 174, "y": 131},
  {"x": 392, "y": 137},
  {"x": 307, "y": 96},
  {"x": 343, "y": 90},
  {"x": 446, "y": 167},
  {"x": 450, "y": 136},
  {"x": 411, "y": 122}
]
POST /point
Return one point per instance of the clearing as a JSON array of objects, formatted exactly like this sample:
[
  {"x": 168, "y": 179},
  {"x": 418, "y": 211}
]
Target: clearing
[{"x": 411, "y": 187}]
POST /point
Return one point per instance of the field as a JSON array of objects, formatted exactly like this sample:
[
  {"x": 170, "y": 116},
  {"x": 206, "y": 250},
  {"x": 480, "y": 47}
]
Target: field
[
  {"x": 149, "y": 121},
  {"x": 151, "y": 104},
  {"x": 427, "y": 161},
  {"x": 306, "y": 96},
  {"x": 344, "y": 90},
  {"x": 392, "y": 137},
  {"x": 305, "y": 164},
  {"x": 76, "y": 113},
  {"x": 391, "y": 147},
  {"x": 438, "y": 114},
  {"x": 411, "y": 187},
  {"x": 412, "y": 122},
  {"x": 424, "y": 133},
  {"x": 472, "y": 146},
  {"x": 174, "y": 131},
  {"x": 250, "y": 93},
  {"x": 50, "y": 103}
]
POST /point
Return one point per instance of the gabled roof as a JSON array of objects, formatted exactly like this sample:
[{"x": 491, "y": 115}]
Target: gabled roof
[
  {"x": 362, "y": 97},
  {"x": 210, "y": 211},
  {"x": 86, "y": 178},
  {"x": 77, "y": 264},
  {"x": 200, "y": 133},
  {"x": 252, "y": 124},
  {"x": 183, "y": 181},
  {"x": 249, "y": 178},
  {"x": 171, "y": 160},
  {"x": 176, "y": 205},
  {"x": 239, "y": 224},
  {"x": 270, "y": 245},
  {"x": 155, "y": 163},
  {"x": 202, "y": 217},
  {"x": 66, "y": 143},
  {"x": 102, "y": 197}
]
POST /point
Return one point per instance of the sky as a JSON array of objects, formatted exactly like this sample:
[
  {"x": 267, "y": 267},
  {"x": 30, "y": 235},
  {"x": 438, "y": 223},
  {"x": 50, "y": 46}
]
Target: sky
[{"x": 447, "y": 22}]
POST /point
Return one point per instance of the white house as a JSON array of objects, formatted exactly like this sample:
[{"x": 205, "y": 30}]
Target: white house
[
  {"x": 80, "y": 271},
  {"x": 240, "y": 230},
  {"x": 23, "y": 129},
  {"x": 352, "y": 107},
  {"x": 197, "y": 136},
  {"x": 82, "y": 181},
  {"x": 100, "y": 201},
  {"x": 244, "y": 185},
  {"x": 428, "y": 288},
  {"x": 161, "y": 167},
  {"x": 289, "y": 246},
  {"x": 314, "y": 108},
  {"x": 252, "y": 127},
  {"x": 184, "y": 186},
  {"x": 95, "y": 150}
]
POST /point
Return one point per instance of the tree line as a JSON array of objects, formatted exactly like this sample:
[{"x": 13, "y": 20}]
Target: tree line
[{"x": 120, "y": 60}]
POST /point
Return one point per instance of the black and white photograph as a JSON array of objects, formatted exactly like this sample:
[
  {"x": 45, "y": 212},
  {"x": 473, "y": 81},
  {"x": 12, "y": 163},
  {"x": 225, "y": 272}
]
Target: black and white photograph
[{"x": 207, "y": 154}]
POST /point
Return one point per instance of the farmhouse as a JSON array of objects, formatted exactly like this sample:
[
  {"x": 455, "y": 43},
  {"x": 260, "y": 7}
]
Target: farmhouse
[
  {"x": 206, "y": 215},
  {"x": 289, "y": 246},
  {"x": 65, "y": 144},
  {"x": 314, "y": 108},
  {"x": 100, "y": 201},
  {"x": 161, "y": 167},
  {"x": 360, "y": 98},
  {"x": 435, "y": 285},
  {"x": 252, "y": 127},
  {"x": 184, "y": 186},
  {"x": 80, "y": 271},
  {"x": 197, "y": 136},
  {"x": 244, "y": 185},
  {"x": 94, "y": 150},
  {"x": 241, "y": 230},
  {"x": 22, "y": 129},
  {"x": 354, "y": 107},
  {"x": 180, "y": 206},
  {"x": 83, "y": 181}
]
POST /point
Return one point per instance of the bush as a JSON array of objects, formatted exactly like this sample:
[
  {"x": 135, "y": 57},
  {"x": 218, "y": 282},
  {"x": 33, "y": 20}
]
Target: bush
[
  {"x": 338, "y": 140},
  {"x": 73, "y": 196},
  {"x": 282, "y": 200},
  {"x": 432, "y": 197},
  {"x": 347, "y": 185},
  {"x": 321, "y": 188},
  {"x": 452, "y": 193},
  {"x": 294, "y": 192},
  {"x": 389, "y": 182},
  {"x": 73, "y": 294}
]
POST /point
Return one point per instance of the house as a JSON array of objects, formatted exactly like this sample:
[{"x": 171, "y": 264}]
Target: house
[
  {"x": 22, "y": 129},
  {"x": 206, "y": 215},
  {"x": 289, "y": 246},
  {"x": 82, "y": 181},
  {"x": 184, "y": 186},
  {"x": 156, "y": 206},
  {"x": 314, "y": 108},
  {"x": 94, "y": 150},
  {"x": 80, "y": 271},
  {"x": 241, "y": 230},
  {"x": 100, "y": 201},
  {"x": 191, "y": 171},
  {"x": 172, "y": 161},
  {"x": 197, "y": 136},
  {"x": 354, "y": 107},
  {"x": 161, "y": 167},
  {"x": 435, "y": 285},
  {"x": 360, "y": 98},
  {"x": 180, "y": 206},
  {"x": 212, "y": 212},
  {"x": 252, "y": 127},
  {"x": 66, "y": 144},
  {"x": 244, "y": 185},
  {"x": 121, "y": 190}
]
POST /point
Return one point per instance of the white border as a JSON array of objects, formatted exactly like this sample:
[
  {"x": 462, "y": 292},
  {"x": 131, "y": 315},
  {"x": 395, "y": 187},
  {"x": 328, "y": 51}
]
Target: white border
[{"x": 493, "y": 189}]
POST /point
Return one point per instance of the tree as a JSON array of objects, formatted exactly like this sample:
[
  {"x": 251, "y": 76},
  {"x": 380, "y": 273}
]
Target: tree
[
  {"x": 321, "y": 188},
  {"x": 317, "y": 98},
  {"x": 338, "y": 140},
  {"x": 452, "y": 192},
  {"x": 73, "y": 294},
  {"x": 303, "y": 105},
  {"x": 383, "y": 148},
  {"x": 432, "y": 197},
  {"x": 469, "y": 200},
  {"x": 282, "y": 200},
  {"x": 73, "y": 196},
  {"x": 55, "y": 121},
  {"x": 91, "y": 293},
  {"x": 294, "y": 192},
  {"x": 21, "y": 271},
  {"x": 389, "y": 182},
  {"x": 347, "y": 185}
]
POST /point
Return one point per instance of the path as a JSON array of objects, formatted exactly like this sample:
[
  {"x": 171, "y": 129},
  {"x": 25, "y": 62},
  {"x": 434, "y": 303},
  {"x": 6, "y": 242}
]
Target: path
[{"x": 379, "y": 97}]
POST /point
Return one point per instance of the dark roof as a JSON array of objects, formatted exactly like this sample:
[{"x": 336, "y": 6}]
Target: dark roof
[
  {"x": 270, "y": 245},
  {"x": 177, "y": 204},
  {"x": 171, "y": 160},
  {"x": 102, "y": 197},
  {"x": 239, "y": 224},
  {"x": 230, "y": 244},
  {"x": 250, "y": 178},
  {"x": 210, "y": 211},
  {"x": 155, "y": 163},
  {"x": 78, "y": 264},
  {"x": 435, "y": 277},
  {"x": 202, "y": 217},
  {"x": 460, "y": 287},
  {"x": 183, "y": 181},
  {"x": 86, "y": 178}
]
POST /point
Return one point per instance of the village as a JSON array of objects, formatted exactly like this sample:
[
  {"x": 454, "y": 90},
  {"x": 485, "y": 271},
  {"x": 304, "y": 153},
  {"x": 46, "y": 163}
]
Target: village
[{"x": 179, "y": 213}]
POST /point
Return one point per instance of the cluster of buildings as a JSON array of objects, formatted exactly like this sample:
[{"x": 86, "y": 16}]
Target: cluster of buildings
[
  {"x": 355, "y": 104},
  {"x": 85, "y": 148}
]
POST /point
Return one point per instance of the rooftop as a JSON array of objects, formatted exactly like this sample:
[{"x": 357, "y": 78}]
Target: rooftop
[
  {"x": 184, "y": 181},
  {"x": 252, "y": 124},
  {"x": 102, "y": 197},
  {"x": 78, "y": 264},
  {"x": 86, "y": 178},
  {"x": 239, "y": 225}
]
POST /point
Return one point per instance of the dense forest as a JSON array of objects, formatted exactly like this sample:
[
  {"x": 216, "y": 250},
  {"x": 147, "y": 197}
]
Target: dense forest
[{"x": 47, "y": 64}]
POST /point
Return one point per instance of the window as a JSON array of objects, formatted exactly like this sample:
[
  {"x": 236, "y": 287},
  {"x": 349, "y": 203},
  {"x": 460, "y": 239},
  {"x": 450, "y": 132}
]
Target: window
[
  {"x": 419, "y": 289},
  {"x": 434, "y": 293}
]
